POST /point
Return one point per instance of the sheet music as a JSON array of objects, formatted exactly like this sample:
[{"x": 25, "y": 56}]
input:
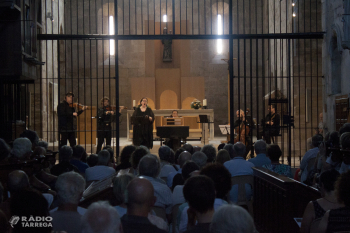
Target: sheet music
[{"x": 225, "y": 129}]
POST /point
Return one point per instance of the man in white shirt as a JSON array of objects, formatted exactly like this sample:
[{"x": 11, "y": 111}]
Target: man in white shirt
[{"x": 101, "y": 170}]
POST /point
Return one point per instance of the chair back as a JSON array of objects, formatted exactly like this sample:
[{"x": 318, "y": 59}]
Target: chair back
[
  {"x": 174, "y": 216},
  {"x": 242, "y": 197},
  {"x": 160, "y": 212}
]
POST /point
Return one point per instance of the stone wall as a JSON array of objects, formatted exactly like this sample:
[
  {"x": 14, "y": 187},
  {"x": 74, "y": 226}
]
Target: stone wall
[{"x": 335, "y": 57}]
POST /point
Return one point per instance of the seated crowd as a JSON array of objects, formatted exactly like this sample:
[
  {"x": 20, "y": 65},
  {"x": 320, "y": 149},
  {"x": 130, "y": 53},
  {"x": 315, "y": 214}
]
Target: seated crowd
[{"x": 189, "y": 190}]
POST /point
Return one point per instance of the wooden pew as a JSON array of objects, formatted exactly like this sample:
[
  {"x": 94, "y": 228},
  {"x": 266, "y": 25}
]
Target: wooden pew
[{"x": 278, "y": 200}]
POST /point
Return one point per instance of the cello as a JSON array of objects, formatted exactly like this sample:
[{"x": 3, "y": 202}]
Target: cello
[{"x": 243, "y": 129}]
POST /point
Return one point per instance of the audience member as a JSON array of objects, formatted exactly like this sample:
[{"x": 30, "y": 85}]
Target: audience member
[
  {"x": 210, "y": 152},
  {"x": 345, "y": 145},
  {"x": 67, "y": 217},
  {"x": 337, "y": 220},
  {"x": 4, "y": 150},
  {"x": 110, "y": 150},
  {"x": 261, "y": 159},
  {"x": 238, "y": 166},
  {"x": 119, "y": 189},
  {"x": 229, "y": 148},
  {"x": 199, "y": 191},
  {"x": 16, "y": 182},
  {"x": 187, "y": 169},
  {"x": 27, "y": 203},
  {"x": 178, "y": 152},
  {"x": 65, "y": 155},
  {"x": 32, "y": 136},
  {"x": 200, "y": 159},
  {"x": 274, "y": 153},
  {"x": 184, "y": 157},
  {"x": 149, "y": 169},
  {"x": 136, "y": 156},
  {"x": 125, "y": 156},
  {"x": 188, "y": 147},
  {"x": 101, "y": 217},
  {"x": 223, "y": 156},
  {"x": 101, "y": 170},
  {"x": 4, "y": 223},
  {"x": 316, "y": 209},
  {"x": 232, "y": 219},
  {"x": 78, "y": 152},
  {"x": 166, "y": 167},
  {"x": 21, "y": 149},
  {"x": 310, "y": 154},
  {"x": 140, "y": 199},
  {"x": 92, "y": 160},
  {"x": 222, "y": 182},
  {"x": 221, "y": 146},
  {"x": 196, "y": 148},
  {"x": 43, "y": 144},
  {"x": 1, "y": 193}
]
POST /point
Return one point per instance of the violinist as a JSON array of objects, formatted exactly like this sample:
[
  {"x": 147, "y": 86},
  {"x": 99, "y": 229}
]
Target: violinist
[
  {"x": 105, "y": 116},
  {"x": 67, "y": 120},
  {"x": 271, "y": 124}
]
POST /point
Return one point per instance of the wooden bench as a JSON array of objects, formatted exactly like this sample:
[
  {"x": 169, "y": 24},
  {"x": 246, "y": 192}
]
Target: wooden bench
[{"x": 278, "y": 200}]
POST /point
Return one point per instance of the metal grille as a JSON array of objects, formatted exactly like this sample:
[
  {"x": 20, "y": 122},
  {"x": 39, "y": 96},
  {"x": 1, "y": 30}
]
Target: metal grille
[{"x": 274, "y": 49}]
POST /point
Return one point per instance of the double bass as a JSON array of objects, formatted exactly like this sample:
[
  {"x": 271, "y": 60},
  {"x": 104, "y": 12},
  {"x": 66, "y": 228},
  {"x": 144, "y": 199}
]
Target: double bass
[{"x": 243, "y": 129}]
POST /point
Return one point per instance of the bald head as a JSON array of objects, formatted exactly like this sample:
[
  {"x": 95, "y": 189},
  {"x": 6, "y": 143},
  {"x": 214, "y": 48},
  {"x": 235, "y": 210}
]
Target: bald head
[
  {"x": 17, "y": 180},
  {"x": 183, "y": 157},
  {"x": 139, "y": 194}
]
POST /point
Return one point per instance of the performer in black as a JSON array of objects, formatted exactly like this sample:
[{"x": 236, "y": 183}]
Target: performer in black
[
  {"x": 67, "y": 120},
  {"x": 271, "y": 124},
  {"x": 143, "y": 119},
  {"x": 105, "y": 116}
]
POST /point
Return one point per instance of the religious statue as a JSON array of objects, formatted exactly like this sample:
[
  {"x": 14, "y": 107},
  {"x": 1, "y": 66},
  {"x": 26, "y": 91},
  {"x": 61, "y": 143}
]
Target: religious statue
[{"x": 167, "y": 52}]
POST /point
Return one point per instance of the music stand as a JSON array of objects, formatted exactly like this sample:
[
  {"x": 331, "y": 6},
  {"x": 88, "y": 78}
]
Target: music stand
[
  {"x": 137, "y": 120},
  {"x": 204, "y": 119}
]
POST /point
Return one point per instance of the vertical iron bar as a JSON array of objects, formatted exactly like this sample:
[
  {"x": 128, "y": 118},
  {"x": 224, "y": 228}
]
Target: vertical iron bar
[
  {"x": 199, "y": 25},
  {"x": 173, "y": 6},
  {"x": 231, "y": 70},
  {"x": 192, "y": 18},
  {"x": 290, "y": 107},
  {"x": 116, "y": 85}
]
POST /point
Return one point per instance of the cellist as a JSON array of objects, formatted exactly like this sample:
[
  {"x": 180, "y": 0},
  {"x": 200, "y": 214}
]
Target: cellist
[{"x": 242, "y": 127}]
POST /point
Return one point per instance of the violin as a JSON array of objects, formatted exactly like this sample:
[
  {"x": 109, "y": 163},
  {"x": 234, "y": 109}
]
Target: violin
[{"x": 77, "y": 106}]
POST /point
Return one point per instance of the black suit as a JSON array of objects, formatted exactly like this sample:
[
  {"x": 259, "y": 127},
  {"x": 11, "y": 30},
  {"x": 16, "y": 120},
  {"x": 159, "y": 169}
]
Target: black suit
[
  {"x": 67, "y": 123},
  {"x": 104, "y": 127},
  {"x": 270, "y": 130}
]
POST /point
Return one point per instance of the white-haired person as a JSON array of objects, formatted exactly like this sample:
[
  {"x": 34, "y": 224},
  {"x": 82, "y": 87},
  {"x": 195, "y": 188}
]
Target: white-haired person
[
  {"x": 232, "y": 219},
  {"x": 101, "y": 170},
  {"x": 101, "y": 217},
  {"x": 21, "y": 149},
  {"x": 67, "y": 217}
]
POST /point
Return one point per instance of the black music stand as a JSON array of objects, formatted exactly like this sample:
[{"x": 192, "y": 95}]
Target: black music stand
[
  {"x": 137, "y": 120},
  {"x": 204, "y": 119}
]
